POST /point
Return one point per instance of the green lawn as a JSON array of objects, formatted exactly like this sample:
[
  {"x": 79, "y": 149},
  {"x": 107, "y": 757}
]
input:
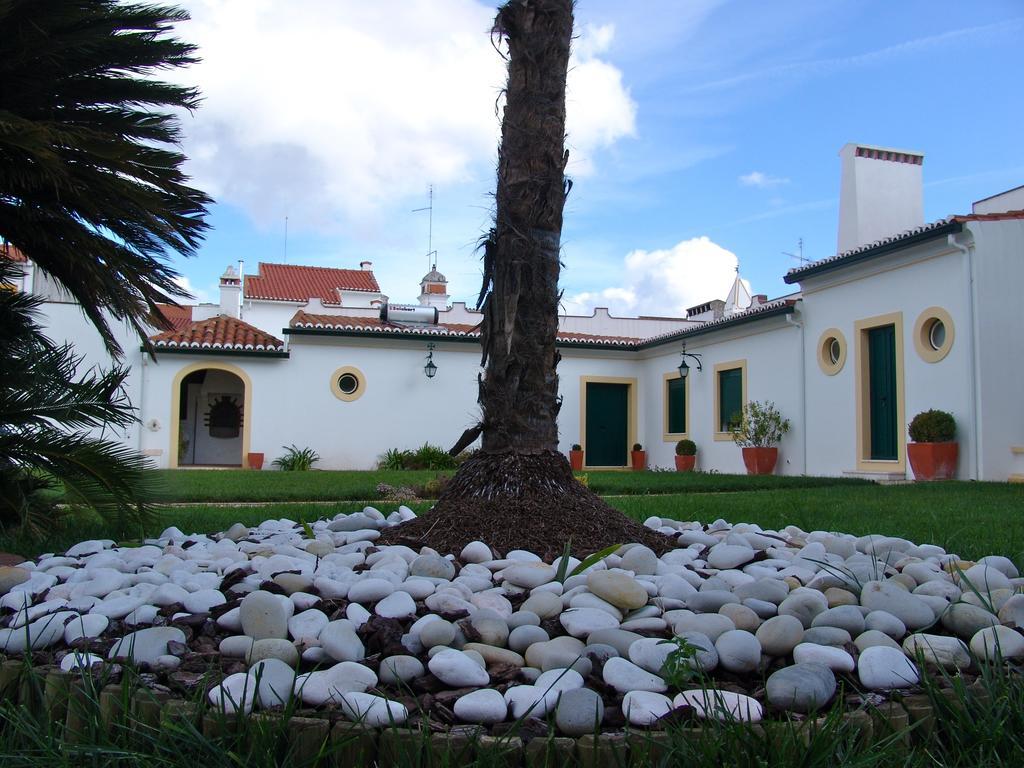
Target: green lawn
[
  {"x": 972, "y": 519},
  {"x": 242, "y": 485}
]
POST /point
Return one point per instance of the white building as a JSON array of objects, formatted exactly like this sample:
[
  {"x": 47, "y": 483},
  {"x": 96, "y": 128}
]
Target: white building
[{"x": 907, "y": 316}]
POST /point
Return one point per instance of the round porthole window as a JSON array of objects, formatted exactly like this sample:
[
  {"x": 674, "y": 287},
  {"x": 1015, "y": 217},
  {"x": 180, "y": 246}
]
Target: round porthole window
[
  {"x": 348, "y": 384},
  {"x": 933, "y": 334},
  {"x": 835, "y": 351},
  {"x": 831, "y": 351}
]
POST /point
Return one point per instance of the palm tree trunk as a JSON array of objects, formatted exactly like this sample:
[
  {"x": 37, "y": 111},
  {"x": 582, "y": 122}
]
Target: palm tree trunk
[
  {"x": 518, "y": 491},
  {"x": 519, "y": 393}
]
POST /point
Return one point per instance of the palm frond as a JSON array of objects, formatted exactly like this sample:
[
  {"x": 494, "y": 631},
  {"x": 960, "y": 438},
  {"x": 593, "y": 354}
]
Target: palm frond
[{"x": 91, "y": 187}]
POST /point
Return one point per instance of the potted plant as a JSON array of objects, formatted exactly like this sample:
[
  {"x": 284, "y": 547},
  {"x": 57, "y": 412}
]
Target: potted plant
[
  {"x": 254, "y": 460},
  {"x": 638, "y": 457},
  {"x": 686, "y": 455},
  {"x": 758, "y": 431},
  {"x": 933, "y": 453},
  {"x": 576, "y": 457}
]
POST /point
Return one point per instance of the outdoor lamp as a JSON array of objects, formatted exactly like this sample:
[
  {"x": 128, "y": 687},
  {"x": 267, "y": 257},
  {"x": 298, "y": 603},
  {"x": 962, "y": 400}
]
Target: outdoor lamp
[
  {"x": 430, "y": 369},
  {"x": 684, "y": 368}
]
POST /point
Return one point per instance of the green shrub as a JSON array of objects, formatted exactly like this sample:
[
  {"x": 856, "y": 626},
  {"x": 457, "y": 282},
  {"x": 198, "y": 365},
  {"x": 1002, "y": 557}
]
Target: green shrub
[
  {"x": 686, "y": 448},
  {"x": 933, "y": 426},
  {"x": 760, "y": 425},
  {"x": 577, "y": 447},
  {"x": 426, "y": 456},
  {"x": 637, "y": 447},
  {"x": 297, "y": 459},
  {"x": 394, "y": 460}
]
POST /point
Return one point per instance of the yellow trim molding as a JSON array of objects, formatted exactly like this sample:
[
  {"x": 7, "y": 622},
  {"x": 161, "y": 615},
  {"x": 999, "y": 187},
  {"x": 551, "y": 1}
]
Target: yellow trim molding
[
  {"x": 824, "y": 351},
  {"x": 172, "y": 453},
  {"x": 674, "y": 437},
  {"x": 863, "y": 447},
  {"x": 923, "y": 330},
  {"x": 724, "y": 437},
  {"x": 631, "y": 415},
  {"x": 360, "y": 389}
]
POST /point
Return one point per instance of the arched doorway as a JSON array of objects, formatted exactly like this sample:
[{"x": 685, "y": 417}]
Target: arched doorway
[{"x": 211, "y": 418}]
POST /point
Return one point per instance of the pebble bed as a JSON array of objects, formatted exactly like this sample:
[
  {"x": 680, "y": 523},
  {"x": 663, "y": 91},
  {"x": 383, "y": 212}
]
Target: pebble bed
[{"x": 778, "y": 622}]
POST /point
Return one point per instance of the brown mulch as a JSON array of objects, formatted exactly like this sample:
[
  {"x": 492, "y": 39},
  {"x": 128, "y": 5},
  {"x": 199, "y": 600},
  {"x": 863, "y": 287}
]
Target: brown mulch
[{"x": 522, "y": 502}]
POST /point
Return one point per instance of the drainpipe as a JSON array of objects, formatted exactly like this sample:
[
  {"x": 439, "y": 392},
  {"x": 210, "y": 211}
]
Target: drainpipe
[
  {"x": 241, "y": 289},
  {"x": 791, "y": 320},
  {"x": 972, "y": 341},
  {"x": 142, "y": 397}
]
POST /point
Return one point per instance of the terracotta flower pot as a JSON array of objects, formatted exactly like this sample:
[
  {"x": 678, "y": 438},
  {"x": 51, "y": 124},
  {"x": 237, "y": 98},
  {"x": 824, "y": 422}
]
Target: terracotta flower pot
[
  {"x": 685, "y": 463},
  {"x": 933, "y": 461},
  {"x": 576, "y": 460},
  {"x": 254, "y": 460},
  {"x": 760, "y": 461},
  {"x": 638, "y": 459}
]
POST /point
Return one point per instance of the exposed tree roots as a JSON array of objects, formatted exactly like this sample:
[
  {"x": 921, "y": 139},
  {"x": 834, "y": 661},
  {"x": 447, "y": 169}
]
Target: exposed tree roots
[{"x": 515, "y": 501}]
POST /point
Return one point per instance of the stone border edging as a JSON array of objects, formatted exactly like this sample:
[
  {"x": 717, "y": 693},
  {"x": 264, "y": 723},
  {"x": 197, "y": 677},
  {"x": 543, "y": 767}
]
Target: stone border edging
[{"x": 52, "y": 694}]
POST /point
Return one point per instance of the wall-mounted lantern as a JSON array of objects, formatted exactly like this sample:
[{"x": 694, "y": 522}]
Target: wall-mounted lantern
[
  {"x": 684, "y": 368},
  {"x": 430, "y": 369}
]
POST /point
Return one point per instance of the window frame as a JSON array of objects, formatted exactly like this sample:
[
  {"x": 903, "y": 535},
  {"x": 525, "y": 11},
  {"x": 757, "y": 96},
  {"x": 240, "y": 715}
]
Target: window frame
[
  {"x": 668, "y": 435},
  {"x": 741, "y": 366}
]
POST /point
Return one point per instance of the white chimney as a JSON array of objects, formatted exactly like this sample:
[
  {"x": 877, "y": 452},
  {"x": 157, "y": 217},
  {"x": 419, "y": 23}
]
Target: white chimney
[
  {"x": 230, "y": 292},
  {"x": 881, "y": 194},
  {"x": 366, "y": 266}
]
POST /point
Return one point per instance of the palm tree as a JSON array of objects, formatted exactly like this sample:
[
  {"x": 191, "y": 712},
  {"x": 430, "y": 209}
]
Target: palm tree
[
  {"x": 91, "y": 187},
  {"x": 46, "y": 405},
  {"x": 518, "y": 490}
]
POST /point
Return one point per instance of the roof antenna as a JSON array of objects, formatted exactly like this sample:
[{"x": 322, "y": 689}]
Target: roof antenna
[
  {"x": 799, "y": 255},
  {"x": 431, "y": 253},
  {"x": 286, "y": 238}
]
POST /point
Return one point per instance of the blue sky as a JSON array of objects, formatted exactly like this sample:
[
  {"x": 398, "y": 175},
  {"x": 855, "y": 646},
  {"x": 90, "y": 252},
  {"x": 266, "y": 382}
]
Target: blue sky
[{"x": 698, "y": 130}]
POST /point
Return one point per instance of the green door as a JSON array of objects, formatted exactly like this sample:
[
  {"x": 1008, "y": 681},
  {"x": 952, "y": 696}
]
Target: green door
[
  {"x": 882, "y": 392},
  {"x": 607, "y": 425}
]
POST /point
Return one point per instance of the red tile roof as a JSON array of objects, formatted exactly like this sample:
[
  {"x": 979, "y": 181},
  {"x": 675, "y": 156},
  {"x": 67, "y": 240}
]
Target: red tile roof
[
  {"x": 219, "y": 333},
  {"x": 989, "y": 216},
  {"x": 933, "y": 228},
  {"x": 11, "y": 253},
  {"x": 347, "y": 323},
  {"x": 286, "y": 282},
  {"x": 180, "y": 317}
]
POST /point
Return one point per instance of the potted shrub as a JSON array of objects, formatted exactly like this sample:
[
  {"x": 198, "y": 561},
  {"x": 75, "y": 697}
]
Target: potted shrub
[
  {"x": 758, "y": 431},
  {"x": 933, "y": 453},
  {"x": 576, "y": 457},
  {"x": 686, "y": 455},
  {"x": 638, "y": 457},
  {"x": 254, "y": 460}
]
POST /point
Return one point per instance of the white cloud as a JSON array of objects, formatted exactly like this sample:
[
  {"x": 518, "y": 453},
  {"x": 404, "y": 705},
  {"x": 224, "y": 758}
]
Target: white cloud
[
  {"x": 664, "y": 281},
  {"x": 200, "y": 295},
  {"x": 761, "y": 180},
  {"x": 332, "y": 110}
]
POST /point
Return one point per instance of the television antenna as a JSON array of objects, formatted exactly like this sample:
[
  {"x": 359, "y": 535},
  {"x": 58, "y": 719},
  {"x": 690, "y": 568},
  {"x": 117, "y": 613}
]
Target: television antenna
[
  {"x": 431, "y": 253},
  {"x": 799, "y": 255}
]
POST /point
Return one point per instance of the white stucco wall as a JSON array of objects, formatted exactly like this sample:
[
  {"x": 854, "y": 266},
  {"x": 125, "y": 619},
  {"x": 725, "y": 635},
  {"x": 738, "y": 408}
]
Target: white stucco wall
[
  {"x": 769, "y": 347},
  {"x": 931, "y": 274},
  {"x": 998, "y": 261}
]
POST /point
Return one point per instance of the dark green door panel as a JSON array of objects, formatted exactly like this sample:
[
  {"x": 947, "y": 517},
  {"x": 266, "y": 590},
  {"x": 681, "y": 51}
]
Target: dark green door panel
[
  {"x": 675, "y": 392},
  {"x": 882, "y": 392},
  {"x": 730, "y": 397},
  {"x": 607, "y": 425}
]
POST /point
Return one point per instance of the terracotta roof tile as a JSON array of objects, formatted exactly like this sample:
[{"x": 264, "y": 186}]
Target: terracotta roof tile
[
  {"x": 287, "y": 282},
  {"x": 221, "y": 332},
  {"x": 180, "y": 317},
  {"x": 794, "y": 274},
  {"x": 347, "y": 323},
  {"x": 9, "y": 252}
]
